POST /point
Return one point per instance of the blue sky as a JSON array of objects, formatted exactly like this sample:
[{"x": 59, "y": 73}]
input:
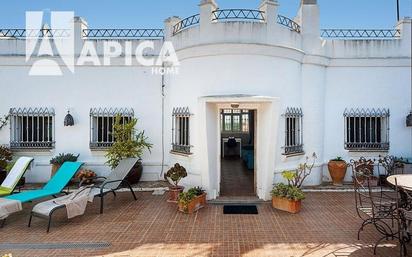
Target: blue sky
[{"x": 151, "y": 13}]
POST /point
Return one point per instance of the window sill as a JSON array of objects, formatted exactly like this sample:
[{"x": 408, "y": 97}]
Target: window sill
[
  {"x": 368, "y": 150},
  {"x": 287, "y": 155},
  {"x": 180, "y": 153},
  {"x": 31, "y": 149}
]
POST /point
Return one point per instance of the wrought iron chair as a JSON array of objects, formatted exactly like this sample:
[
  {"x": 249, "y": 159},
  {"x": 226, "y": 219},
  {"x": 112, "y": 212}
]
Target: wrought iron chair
[
  {"x": 404, "y": 214},
  {"x": 373, "y": 208},
  {"x": 391, "y": 165}
]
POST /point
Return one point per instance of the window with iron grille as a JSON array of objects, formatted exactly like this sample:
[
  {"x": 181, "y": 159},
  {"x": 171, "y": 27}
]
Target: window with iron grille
[
  {"x": 180, "y": 130},
  {"x": 293, "y": 131},
  {"x": 31, "y": 128},
  {"x": 234, "y": 120},
  {"x": 101, "y": 125},
  {"x": 366, "y": 129}
]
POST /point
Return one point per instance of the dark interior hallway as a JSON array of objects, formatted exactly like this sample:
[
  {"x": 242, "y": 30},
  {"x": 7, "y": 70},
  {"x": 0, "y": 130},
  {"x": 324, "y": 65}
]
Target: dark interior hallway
[{"x": 236, "y": 179}]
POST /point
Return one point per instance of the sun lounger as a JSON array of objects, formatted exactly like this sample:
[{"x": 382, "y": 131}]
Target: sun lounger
[
  {"x": 115, "y": 180},
  {"x": 54, "y": 187},
  {"x": 75, "y": 204},
  {"x": 14, "y": 176}
]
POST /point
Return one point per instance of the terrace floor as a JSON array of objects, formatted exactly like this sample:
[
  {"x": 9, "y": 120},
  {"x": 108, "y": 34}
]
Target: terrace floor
[{"x": 150, "y": 226}]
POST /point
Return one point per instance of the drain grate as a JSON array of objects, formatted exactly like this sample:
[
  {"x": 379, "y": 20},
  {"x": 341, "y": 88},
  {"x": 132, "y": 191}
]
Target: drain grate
[{"x": 41, "y": 246}]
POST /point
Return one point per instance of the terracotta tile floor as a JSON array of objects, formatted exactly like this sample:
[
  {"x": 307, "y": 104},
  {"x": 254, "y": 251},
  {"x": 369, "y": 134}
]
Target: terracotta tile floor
[{"x": 150, "y": 226}]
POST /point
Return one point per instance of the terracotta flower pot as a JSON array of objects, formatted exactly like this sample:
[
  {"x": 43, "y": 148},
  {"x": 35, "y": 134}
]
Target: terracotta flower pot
[
  {"x": 135, "y": 174},
  {"x": 287, "y": 205},
  {"x": 194, "y": 205},
  {"x": 54, "y": 169},
  {"x": 174, "y": 192},
  {"x": 337, "y": 171}
]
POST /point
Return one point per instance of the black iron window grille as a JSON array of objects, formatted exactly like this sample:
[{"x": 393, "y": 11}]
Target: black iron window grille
[
  {"x": 185, "y": 23},
  {"x": 360, "y": 33},
  {"x": 33, "y": 33},
  {"x": 285, "y": 21},
  {"x": 293, "y": 131},
  {"x": 238, "y": 14},
  {"x": 31, "y": 128},
  {"x": 181, "y": 130},
  {"x": 101, "y": 125},
  {"x": 122, "y": 33},
  {"x": 234, "y": 120},
  {"x": 366, "y": 129}
]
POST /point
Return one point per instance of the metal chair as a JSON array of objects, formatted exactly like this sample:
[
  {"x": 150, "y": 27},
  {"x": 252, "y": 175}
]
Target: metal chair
[
  {"x": 404, "y": 211},
  {"x": 373, "y": 208},
  {"x": 391, "y": 165}
]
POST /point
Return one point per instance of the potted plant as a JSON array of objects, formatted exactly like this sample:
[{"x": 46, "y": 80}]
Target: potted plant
[
  {"x": 86, "y": 176},
  {"x": 192, "y": 200},
  {"x": 58, "y": 161},
  {"x": 337, "y": 170},
  {"x": 174, "y": 175},
  {"x": 288, "y": 197},
  {"x": 128, "y": 143},
  {"x": 5, "y": 158},
  {"x": 363, "y": 172}
]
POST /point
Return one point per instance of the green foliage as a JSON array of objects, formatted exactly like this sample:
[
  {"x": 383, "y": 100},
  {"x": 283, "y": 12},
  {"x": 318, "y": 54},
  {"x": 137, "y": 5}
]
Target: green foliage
[
  {"x": 196, "y": 191},
  {"x": 297, "y": 177},
  {"x": 9, "y": 166},
  {"x": 6, "y": 156},
  {"x": 127, "y": 143},
  {"x": 64, "y": 157},
  {"x": 338, "y": 159},
  {"x": 175, "y": 174},
  {"x": 288, "y": 191},
  {"x": 4, "y": 121}
]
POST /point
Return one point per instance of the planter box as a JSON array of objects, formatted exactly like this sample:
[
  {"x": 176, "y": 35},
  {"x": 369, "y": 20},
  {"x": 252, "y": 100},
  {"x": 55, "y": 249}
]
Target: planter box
[
  {"x": 196, "y": 204},
  {"x": 287, "y": 205}
]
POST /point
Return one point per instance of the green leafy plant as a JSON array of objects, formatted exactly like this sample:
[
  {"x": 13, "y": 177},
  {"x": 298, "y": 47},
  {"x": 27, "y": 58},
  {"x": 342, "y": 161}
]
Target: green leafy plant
[
  {"x": 4, "y": 121},
  {"x": 6, "y": 156},
  {"x": 337, "y": 159},
  {"x": 298, "y": 176},
  {"x": 64, "y": 157},
  {"x": 128, "y": 143},
  {"x": 175, "y": 174},
  {"x": 186, "y": 197},
  {"x": 288, "y": 191}
]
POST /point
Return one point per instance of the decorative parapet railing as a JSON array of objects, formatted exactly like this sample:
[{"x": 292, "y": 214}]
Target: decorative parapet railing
[
  {"x": 185, "y": 23},
  {"x": 24, "y": 33},
  {"x": 123, "y": 33},
  {"x": 238, "y": 14},
  {"x": 360, "y": 33},
  {"x": 285, "y": 21}
]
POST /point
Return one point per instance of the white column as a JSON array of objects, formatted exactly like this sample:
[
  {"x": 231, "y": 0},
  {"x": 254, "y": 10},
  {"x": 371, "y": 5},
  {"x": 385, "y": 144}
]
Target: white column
[
  {"x": 308, "y": 16},
  {"x": 169, "y": 24},
  {"x": 206, "y": 8},
  {"x": 270, "y": 8},
  {"x": 79, "y": 25}
]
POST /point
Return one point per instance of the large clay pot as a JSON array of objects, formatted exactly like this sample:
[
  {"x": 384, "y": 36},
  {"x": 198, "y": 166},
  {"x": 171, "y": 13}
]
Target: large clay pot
[
  {"x": 337, "y": 171},
  {"x": 287, "y": 205},
  {"x": 54, "y": 169},
  {"x": 174, "y": 192},
  {"x": 3, "y": 175},
  {"x": 135, "y": 173}
]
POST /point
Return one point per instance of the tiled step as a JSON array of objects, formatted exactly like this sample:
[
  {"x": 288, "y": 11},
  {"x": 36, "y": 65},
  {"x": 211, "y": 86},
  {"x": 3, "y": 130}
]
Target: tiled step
[{"x": 236, "y": 200}]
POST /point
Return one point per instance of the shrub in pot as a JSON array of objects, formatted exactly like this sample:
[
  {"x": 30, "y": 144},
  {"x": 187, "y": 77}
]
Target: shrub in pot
[
  {"x": 337, "y": 170},
  {"x": 174, "y": 175},
  {"x": 5, "y": 158},
  {"x": 288, "y": 197},
  {"x": 86, "y": 176},
  {"x": 128, "y": 143},
  {"x": 192, "y": 200},
  {"x": 58, "y": 161}
]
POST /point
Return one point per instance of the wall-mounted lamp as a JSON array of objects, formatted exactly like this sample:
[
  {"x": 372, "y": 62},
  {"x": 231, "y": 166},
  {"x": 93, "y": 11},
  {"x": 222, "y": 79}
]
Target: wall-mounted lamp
[
  {"x": 234, "y": 105},
  {"x": 68, "y": 120},
  {"x": 409, "y": 120}
]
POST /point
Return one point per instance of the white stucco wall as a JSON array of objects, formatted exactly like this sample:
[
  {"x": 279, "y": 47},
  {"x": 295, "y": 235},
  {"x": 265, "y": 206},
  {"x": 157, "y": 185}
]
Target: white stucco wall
[{"x": 235, "y": 61}]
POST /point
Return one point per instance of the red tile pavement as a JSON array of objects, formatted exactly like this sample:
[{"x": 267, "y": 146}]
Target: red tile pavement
[{"x": 150, "y": 226}]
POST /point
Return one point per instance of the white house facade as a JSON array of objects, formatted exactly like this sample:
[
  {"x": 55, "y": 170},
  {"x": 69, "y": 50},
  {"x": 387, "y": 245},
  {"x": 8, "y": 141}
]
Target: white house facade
[{"x": 299, "y": 88}]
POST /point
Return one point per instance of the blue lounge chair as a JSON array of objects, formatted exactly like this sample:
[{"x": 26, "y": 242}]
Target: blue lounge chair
[{"x": 55, "y": 185}]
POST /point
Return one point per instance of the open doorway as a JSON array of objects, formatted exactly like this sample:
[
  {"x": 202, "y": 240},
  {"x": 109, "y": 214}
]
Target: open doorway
[{"x": 237, "y": 142}]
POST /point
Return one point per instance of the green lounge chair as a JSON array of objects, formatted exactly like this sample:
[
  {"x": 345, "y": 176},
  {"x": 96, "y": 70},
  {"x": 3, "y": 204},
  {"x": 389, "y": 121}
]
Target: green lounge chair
[
  {"x": 55, "y": 185},
  {"x": 15, "y": 174}
]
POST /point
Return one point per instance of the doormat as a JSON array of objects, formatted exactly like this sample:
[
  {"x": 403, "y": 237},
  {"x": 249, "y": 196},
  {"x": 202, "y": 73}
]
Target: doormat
[{"x": 240, "y": 209}]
